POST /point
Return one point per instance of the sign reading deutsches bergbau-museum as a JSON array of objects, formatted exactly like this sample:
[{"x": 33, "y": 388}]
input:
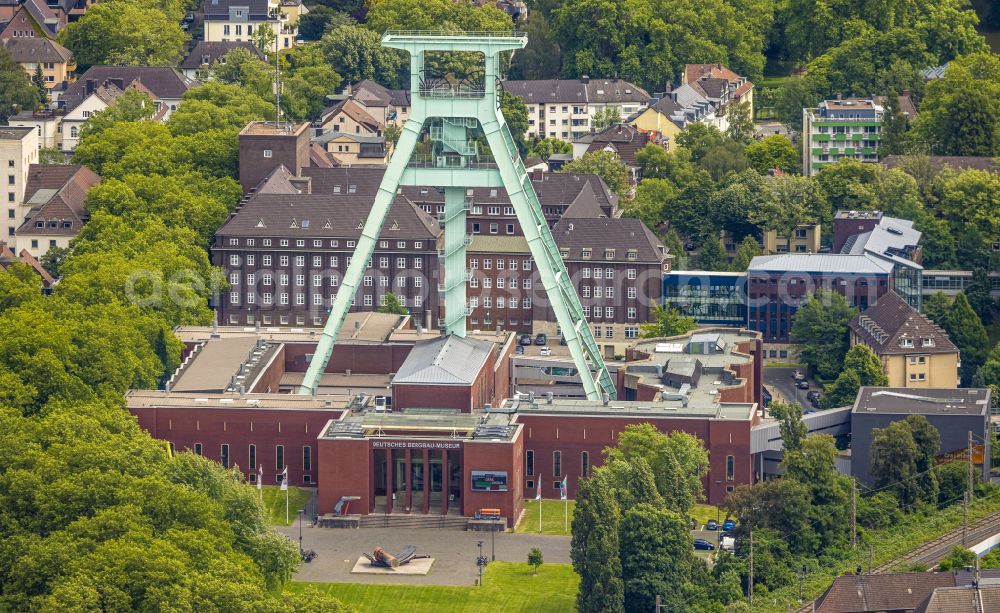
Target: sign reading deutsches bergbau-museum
[{"x": 416, "y": 445}]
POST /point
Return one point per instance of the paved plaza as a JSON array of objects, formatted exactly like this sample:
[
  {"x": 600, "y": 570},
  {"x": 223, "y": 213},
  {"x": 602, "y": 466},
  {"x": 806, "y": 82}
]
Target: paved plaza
[{"x": 454, "y": 552}]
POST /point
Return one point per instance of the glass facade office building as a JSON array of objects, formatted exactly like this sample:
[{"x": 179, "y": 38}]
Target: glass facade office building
[{"x": 717, "y": 298}]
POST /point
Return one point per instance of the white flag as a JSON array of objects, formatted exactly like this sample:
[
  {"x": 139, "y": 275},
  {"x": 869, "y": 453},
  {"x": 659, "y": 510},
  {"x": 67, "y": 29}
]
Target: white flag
[
  {"x": 260, "y": 477},
  {"x": 538, "y": 492},
  {"x": 284, "y": 479}
]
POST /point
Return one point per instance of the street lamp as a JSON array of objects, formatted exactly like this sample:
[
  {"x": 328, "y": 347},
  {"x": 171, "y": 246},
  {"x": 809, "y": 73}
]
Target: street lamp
[
  {"x": 301, "y": 515},
  {"x": 493, "y": 538},
  {"x": 481, "y": 561}
]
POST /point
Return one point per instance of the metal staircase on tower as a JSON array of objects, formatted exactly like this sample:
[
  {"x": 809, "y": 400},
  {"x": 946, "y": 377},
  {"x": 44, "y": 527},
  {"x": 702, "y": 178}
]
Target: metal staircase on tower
[{"x": 457, "y": 115}]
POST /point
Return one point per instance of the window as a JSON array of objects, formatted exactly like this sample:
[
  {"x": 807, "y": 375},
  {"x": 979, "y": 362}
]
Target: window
[
  {"x": 556, "y": 463},
  {"x": 266, "y": 297},
  {"x": 631, "y": 313},
  {"x": 487, "y": 264},
  {"x": 284, "y": 279},
  {"x": 253, "y": 460},
  {"x": 283, "y": 260},
  {"x": 609, "y": 292},
  {"x": 526, "y": 303},
  {"x": 400, "y": 262},
  {"x": 609, "y": 332},
  {"x": 585, "y": 291},
  {"x": 267, "y": 153},
  {"x": 500, "y": 283},
  {"x": 510, "y": 228},
  {"x": 224, "y": 455},
  {"x": 307, "y": 458},
  {"x": 730, "y": 467},
  {"x": 250, "y": 296},
  {"x": 401, "y": 281},
  {"x": 584, "y": 464},
  {"x": 609, "y": 312},
  {"x": 631, "y": 332},
  {"x": 318, "y": 299},
  {"x": 197, "y": 448},
  {"x": 585, "y": 273},
  {"x": 317, "y": 280},
  {"x": 500, "y": 263},
  {"x": 368, "y": 300},
  {"x": 300, "y": 280},
  {"x": 234, "y": 260},
  {"x": 631, "y": 292},
  {"x": 234, "y": 297},
  {"x": 279, "y": 457},
  {"x": 300, "y": 298},
  {"x": 368, "y": 282},
  {"x": 526, "y": 283},
  {"x": 284, "y": 298}
]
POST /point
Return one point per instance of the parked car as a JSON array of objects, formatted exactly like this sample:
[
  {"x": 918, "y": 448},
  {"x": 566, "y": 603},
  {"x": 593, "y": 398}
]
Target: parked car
[
  {"x": 813, "y": 395},
  {"x": 799, "y": 376},
  {"x": 711, "y": 525},
  {"x": 703, "y": 545},
  {"x": 766, "y": 396},
  {"x": 525, "y": 339},
  {"x": 541, "y": 338},
  {"x": 545, "y": 351},
  {"x": 519, "y": 350},
  {"x": 802, "y": 385},
  {"x": 729, "y": 524},
  {"x": 728, "y": 543}
]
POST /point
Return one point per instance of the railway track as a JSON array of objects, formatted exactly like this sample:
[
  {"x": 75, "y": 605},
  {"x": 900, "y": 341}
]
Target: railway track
[{"x": 931, "y": 552}]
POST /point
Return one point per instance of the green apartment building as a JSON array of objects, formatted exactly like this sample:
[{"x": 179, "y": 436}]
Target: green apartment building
[{"x": 840, "y": 129}]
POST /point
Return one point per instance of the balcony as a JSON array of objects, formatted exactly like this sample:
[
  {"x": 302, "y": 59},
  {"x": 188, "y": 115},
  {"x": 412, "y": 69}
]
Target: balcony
[{"x": 434, "y": 84}]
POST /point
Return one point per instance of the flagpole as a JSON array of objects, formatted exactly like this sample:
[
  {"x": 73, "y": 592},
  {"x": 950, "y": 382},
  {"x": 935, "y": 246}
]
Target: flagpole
[
  {"x": 539, "y": 516},
  {"x": 566, "y": 521}
]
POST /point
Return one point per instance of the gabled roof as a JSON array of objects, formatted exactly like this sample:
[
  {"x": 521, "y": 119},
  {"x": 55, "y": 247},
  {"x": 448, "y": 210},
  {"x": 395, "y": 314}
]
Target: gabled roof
[
  {"x": 621, "y": 234},
  {"x": 24, "y": 50},
  {"x": 48, "y": 18},
  {"x": 622, "y": 139},
  {"x": 57, "y": 194},
  {"x": 964, "y": 599},
  {"x": 891, "y": 320},
  {"x": 207, "y": 52},
  {"x": 585, "y": 205},
  {"x": 164, "y": 82},
  {"x": 885, "y": 592},
  {"x": 8, "y": 259},
  {"x": 355, "y": 111},
  {"x": 370, "y": 93},
  {"x": 449, "y": 360},
  {"x": 693, "y": 72}
]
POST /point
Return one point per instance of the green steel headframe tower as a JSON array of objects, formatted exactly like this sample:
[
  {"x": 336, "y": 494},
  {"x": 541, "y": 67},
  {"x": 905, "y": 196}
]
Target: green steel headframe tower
[{"x": 461, "y": 114}]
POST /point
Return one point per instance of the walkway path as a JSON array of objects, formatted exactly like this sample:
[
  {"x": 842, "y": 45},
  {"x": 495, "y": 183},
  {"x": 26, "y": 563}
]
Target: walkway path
[{"x": 454, "y": 551}]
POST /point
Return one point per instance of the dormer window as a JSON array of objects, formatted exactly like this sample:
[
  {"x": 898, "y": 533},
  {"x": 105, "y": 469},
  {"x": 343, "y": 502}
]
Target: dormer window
[
  {"x": 927, "y": 342},
  {"x": 40, "y": 224},
  {"x": 633, "y": 254},
  {"x": 609, "y": 254},
  {"x": 564, "y": 253},
  {"x": 586, "y": 253},
  {"x": 906, "y": 342}
]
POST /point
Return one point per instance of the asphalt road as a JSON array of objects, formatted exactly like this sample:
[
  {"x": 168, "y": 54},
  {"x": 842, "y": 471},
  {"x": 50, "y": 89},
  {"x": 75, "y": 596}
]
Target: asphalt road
[{"x": 778, "y": 380}]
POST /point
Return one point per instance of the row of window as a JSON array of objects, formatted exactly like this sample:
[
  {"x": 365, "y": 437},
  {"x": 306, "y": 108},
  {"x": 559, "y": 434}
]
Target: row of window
[
  {"x": 501, "y": 283},
  {"x": 227, "y": 459},
  {"x": 317, "y": 280},
  {"x": 601, "y": 291},
  {"x": 511, "y": 264},
  {"x": 316, "y": 242},
  {"x": 267, "y": 298},
  {"x": 317, "y": 261},
  {"x": 501, "y": 303}
]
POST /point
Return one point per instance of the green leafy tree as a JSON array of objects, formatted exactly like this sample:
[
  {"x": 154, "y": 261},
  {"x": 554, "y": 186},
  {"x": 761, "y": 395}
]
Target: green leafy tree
[
  {"x": 793, "y": 430},
  {"x": 356, "y": 53},
  {"x": 392, "y": 133},
  {"x": 631, "y": 481},
  {"x": 124, "y": 33},
  {"x": 953, "y": 481},
  {"x": 304, "y": 91},
  {"x": 936, "y": 306},
  {"x": 656, "y": 557},
  {"x": 741, "y": 128},
  {"x": 960, "y": 113},
  {"x": 595, "y": 549},
  {"x": 843, "y": 390},
  {"x": 960, "y": 558},
  {"x": 604, "y": 164},
  {"x": 218, "y": 106},
  {"x": 265, "y": 39},
  {"x": 515, "y": 113},
  {"x": 820, "y": 328},
  {"x": 244, "y": 68},
  {"x": 711, "y": 255},
  {"x": 535, "y": 559},
  {"x": 773, "y": 152},
  {"x": 678, "y": 462},
  {"x": 968, "y": 333},
  {"x": 38, "y": 80},
  {"x": 737, "y": 202},
  {"x": 749, "y": 249},
  {"x": 16, "y": 89},
  {"x": 791, "y": 97},
  {"x": 649, "y": 201},
  {"x": 723, "y": 159},
  {"x": 133, "y": 105},
  {"x": 546, "y": 147},
  {"x": 52, "y": 260},
  {"x": 392, "y": 305},
  {"x": 605, "y": 117},
  {"x": 320, "y": 20},
  {"x": 542, "y": 57},
  {"x": 812, "y": 464},
  {"x": 667, "y": 321},
  {"x": 698, "y": 138},
  {"x": 892, "y": 139},
  {"x": 902, "y": 455},
  {"x": 861, "y": 368}
]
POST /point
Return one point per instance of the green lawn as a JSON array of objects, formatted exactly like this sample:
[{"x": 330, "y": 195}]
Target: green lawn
[
  {"x": 507, "y": 586},
  {"x": 705, "y": 512},
  {"x": 553, "y": 517},
  {"x": 274, "y": 502}
]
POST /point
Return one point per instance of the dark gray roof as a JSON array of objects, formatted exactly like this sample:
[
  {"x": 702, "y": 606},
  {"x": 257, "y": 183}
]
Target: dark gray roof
[
  {"x": 884, "y": 325},
  {"x": 206, "y": 52},
  {"x": 885, "y": 592},
  {"x": 326, "y": 215},
  {"x": 449, "y": 360},
  {"x": 962, "y": 600},
  {"x": 164, "y": 82},
  {"x": 922, "y": 401},
  {"x": 39, "y": 49},
  {"x": 216, "y": 10},
  {"x": 575, "y": 91},
  {"x": 552, "y": 189},
  {"x": 621, "y": 234}
]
